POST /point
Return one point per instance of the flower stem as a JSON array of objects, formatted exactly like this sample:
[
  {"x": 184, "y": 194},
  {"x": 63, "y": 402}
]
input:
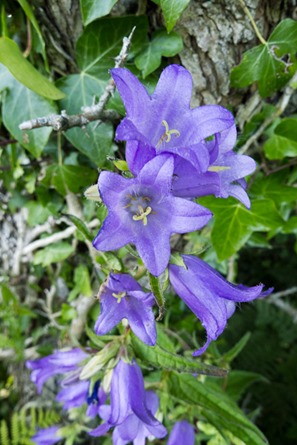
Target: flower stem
[
  {"x": 158, "y": 294},
  {"x": 253, "y": 23}
]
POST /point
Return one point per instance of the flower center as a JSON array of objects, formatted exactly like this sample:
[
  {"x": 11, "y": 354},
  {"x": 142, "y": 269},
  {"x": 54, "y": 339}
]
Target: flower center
[
  {"x": 119, "y": 296},
  {"x": 166, "y": 137},
  {"x": 138, "y": 207}
]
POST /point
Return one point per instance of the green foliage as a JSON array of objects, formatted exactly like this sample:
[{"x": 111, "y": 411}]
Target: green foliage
[
  {"x": 53, "y": 253},
  {"x": 92, "y": 10},
  {"x": 172, "y": 10},
  {"x": 162, "y": 44},
  {"x": 266, "y": 64},
  {"x": 24, "y": 72},
  {"x": 283, "y": 142}
]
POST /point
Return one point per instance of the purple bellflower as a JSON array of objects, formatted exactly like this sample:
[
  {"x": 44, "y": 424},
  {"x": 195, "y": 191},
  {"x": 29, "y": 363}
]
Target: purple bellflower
[
  {"x": 142, "y": 211},
  {"x": 122, "y": 297},
  {"x": 47, "y": 436},
  {"x": 60, "y": 362},
  {"x": 131, "y": 409},
  {"x": 211, "y": 298},
  {"x": 182, "y": 433},
  {"x": 165, "y": 123},
  {"x": 74, "y": 392}
]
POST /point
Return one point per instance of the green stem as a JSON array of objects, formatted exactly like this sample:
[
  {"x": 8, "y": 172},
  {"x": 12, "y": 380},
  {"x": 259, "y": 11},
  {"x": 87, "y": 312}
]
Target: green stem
[
  {"x": 159, "y": 297},
  {"x": 253, "y": 23},
  {"x": 59, "y": 148}
]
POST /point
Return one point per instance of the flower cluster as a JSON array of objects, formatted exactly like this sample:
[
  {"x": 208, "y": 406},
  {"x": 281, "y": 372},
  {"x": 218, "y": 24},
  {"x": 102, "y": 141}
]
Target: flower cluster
[{"x": 175, "y": 154}]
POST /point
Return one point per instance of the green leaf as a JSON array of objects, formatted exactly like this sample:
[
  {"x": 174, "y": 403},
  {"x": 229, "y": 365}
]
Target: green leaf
[
  {"x": 94, "y": 9},
  {"x": 53, "y": 253},
  {"x": 264, "y": 63},
  {"x": 172, "y": 10},
  {"x": 159, "y": 358},
  {"x": 215, "y": 406},
  {"x": 82, "y": 283},
  {"x": 291, "y": 225},
  {"x": 69, "y": 177},
  {"x": 234, "y": 223},
  {"x": 239, "y": 381},
  {"x": 233, "y": 352},
  {"x": 32, "y": 105},
  {"x": 81, "y": 226},
  {"x": 273, "y": 187},
  {"x": 37, "y": 213},
  {"x": 100, "y": 43},
  {"x": 284, "y": 140},
  {"x": 162, "y": 44},
  {"x": 24, "y": 72}
]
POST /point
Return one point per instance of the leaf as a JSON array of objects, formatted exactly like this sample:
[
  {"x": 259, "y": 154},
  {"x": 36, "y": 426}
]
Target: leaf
[
  {"x": 69, "y": 177},
  {"x": 21, "y": 104},
  {"x": 172, "y": 10},
  {"x": 266, "y": 64},
  {"x": 234, "y": 223},
  {"x": 100, "y": 43},
  {"x": 162, "y": 44},
  {"x": 230, "y": 355},
  {"x": 94, "y": 9},
  {"x": 53, "y": 253},
  {"x": 37, "y": 213},
  {"x": 273, "y": 187},
  {"x": 215, "y": 406},
  {"x": 291, "y": 225},
  {"x": 239, "y": 381},
  {"x": 159, "y": 358},
  {"x": 24, "y": 72},
  {"x": 284, "y": 140},
  {"x": 81, "y": 226},
  {"x": 82, "y": 283}
]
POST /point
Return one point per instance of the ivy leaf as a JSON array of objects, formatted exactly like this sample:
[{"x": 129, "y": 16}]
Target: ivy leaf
[
  {"x": 284, "y": 140},
  {"x": 172, "y": 10},
  {"x": 273, "y": 187},
  {"x": 162, "y": 44},
  {"x": 215, "y": 406},
  {"x": 53, "y": 253},
  {"x": 160, "y": 358},
  {"x": 69, "y": 177},
  {"x": 81, "y": 283},
  {"x": 234, "y": 224},
  {"x": 94, "y": 9},
  {"x": 96, "y": 49},
  {"x": 271, "y": 64},
  {"x": 24, "y": 72},
  {"x": 20, "y": 104}
]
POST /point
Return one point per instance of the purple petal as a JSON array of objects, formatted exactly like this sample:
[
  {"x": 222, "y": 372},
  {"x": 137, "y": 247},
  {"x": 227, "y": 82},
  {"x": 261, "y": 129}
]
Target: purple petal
[
  {"x": 138, "y": 154},
  {"x": 120, "y": 393},
  {"x": 47, "y": 436},
  {"x": 154, "y": 248},
  {"x": 158, "y": 173},
  {"x": 132, "y": 92},
  {"x": 119, "y": 282},
  {"x": 188, "y": 216},
  {"x": 182, "y": 432},
  {"x": 113, "y": 234},
  {"x": 101, "y": 430},
  {"x": 142, "y": 321},
  {"x": 73, "y": 395}
]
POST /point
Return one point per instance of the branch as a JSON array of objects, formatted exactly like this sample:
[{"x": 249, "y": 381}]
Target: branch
[
  {"x": 286, "y": 307},
  {"x": 63, "y": 121}
]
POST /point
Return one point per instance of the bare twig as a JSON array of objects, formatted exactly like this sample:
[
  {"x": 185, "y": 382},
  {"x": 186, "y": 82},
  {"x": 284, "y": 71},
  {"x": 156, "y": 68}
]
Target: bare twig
[
  {"x": 286, "y": 307},
  {"x": 63, "y": 121}
]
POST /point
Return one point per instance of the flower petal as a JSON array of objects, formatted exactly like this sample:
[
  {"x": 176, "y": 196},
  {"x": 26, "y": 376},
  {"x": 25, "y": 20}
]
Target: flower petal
[
  {"x": 182, "y": 432},
  {"x": 188, "y": 216}
]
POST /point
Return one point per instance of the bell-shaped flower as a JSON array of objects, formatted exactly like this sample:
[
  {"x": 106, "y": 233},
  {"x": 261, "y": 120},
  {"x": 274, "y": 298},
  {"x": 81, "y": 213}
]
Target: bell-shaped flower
[
  {"x": 131, "y": 408},
  {"x": 143, "y": 211},
  {"x": 122, "y": 297},
  {"x": 211, "y": 298},
  {"x": 165, "y": 123},
  {"x": 182, "y": 433},
  {"x": 47, "y": 436},
  {"x": 58, "y": 363}
]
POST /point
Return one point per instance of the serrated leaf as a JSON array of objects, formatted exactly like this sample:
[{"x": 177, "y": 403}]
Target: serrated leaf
[
  {"x": 172, "y": 10},
  {"x": 53, "y": 253},
  {"x": 162, "y": 44},
  {"x": 215, "y": 406},
  {"x": 284, "y": 140},
  {"x": 264, "y": 63},
  {"x": 21, "y": 104},
  {"x": 94, "y": 9},
  {"x": 159, "y": 358},
  {"x": 234, "y": 223},
  {"x": 24, "y": 72}
]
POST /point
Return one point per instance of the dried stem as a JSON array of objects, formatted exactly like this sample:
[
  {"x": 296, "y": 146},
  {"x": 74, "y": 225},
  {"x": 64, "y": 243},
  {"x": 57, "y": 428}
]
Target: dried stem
[{"x": 63, "y": 121}]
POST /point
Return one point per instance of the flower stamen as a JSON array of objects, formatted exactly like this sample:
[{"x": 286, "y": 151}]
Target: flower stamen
[
  {"x": 217, "y": 168},
  {"x": 119, "y": 296},
  {"x": 167, "y": 135},
  {"x": 142, "y": 214}
]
